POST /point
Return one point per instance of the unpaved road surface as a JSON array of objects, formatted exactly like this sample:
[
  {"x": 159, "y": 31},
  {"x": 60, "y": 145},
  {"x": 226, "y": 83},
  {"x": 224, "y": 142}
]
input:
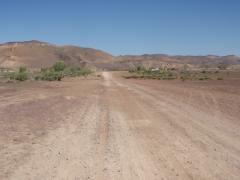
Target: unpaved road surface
[{"x": 113, "y": 128}]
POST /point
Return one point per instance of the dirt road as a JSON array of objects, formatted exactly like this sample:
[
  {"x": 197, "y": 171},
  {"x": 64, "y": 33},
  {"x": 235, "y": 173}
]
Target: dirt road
[{"x": 113, "y": 128}]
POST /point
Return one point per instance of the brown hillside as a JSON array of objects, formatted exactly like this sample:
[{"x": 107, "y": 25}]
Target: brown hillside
[{"x": 36, "y": 54}]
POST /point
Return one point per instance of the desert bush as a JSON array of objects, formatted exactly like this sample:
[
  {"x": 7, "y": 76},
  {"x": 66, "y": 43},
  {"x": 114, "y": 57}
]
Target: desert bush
[
  {"x": 49, "y": 75},
  {"x": 76, "y": 71},
  {"x": 60, "y": 70},
  {"x": 163, "y": 73},
  {"x": 141, "y": 68},
  {"x": 22, "y": 69},
  {"x": 131, "y": 70},
  {"x": 222, "y": 66},
  {"x": 20, "y": 75},
  {"x": 3, "y": 72},
  {"x": 59, "y": 66},
  {"x": 185, "y": 73},
  {"x": 204, "y": 78}
]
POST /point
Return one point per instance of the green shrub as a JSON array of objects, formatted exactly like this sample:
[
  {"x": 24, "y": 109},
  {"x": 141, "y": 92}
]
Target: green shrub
[
  {"x": 22, "y": 69},
  {"x": 141, "y": 68},
  {"x": 204, "y": 78},
  {"x": 60, "y": 70},
  {"x": 76, "y": 71},
  {"x": 21, "y": 75},
  {"x": 59, "y": 66},
  {"x": 49, "y": 75},
  {"x": 161, "y": 74}
]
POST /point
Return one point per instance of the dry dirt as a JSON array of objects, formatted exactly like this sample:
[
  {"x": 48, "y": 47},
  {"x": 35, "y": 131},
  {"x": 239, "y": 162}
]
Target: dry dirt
[{"x": 113, "y": 128}]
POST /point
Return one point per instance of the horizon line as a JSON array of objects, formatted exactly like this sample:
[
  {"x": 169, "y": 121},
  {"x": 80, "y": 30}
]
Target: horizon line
[{"x": 134, "y": 54}]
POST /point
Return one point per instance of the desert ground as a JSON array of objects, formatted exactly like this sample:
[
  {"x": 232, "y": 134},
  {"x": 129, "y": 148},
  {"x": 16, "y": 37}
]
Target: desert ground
[{"x": 115, "y": 128}]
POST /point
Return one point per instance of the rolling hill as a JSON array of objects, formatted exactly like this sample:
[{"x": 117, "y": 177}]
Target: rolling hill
[{"x": 36, "y": 54}]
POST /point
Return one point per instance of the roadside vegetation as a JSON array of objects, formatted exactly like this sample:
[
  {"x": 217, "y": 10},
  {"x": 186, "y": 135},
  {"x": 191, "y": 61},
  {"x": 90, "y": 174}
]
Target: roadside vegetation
[
  {"x": 162, "y": 73},
  {"x": 55, "y": 73},
  {"x": 21, "y": 75},
  {"x": 165, "y": 73}
]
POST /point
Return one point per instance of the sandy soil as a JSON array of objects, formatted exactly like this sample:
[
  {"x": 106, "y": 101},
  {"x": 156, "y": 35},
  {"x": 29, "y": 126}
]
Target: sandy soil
[{"x": 113, "y": 128}]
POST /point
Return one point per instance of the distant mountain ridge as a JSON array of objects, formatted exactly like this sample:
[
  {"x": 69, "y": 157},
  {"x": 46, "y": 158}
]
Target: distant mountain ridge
[
  {"x": 24, "y": 42},
  {"x": 157, "y": 60},
  {"x": 36, "y": 54}
]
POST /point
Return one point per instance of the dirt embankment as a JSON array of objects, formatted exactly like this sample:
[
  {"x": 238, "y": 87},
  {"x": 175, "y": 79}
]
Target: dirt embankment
[{"x": 115, "y": 128}]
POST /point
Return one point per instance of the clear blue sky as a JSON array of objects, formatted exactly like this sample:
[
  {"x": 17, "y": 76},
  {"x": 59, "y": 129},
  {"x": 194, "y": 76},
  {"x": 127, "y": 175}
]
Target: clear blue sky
[{"x": 195, "y": 27}]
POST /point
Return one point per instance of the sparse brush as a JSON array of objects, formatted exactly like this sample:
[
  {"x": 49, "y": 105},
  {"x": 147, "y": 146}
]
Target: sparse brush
[
  {"x": 20, "y": 75},
  {"x": 49, "y": 75},
  {"x": 185, "y": 73},
  {"x": 162, "y": 73},
  {"x": 76, "y": 71},
  {"x": 59, "y": 70},
  {"x": 59, "y": 66}
]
